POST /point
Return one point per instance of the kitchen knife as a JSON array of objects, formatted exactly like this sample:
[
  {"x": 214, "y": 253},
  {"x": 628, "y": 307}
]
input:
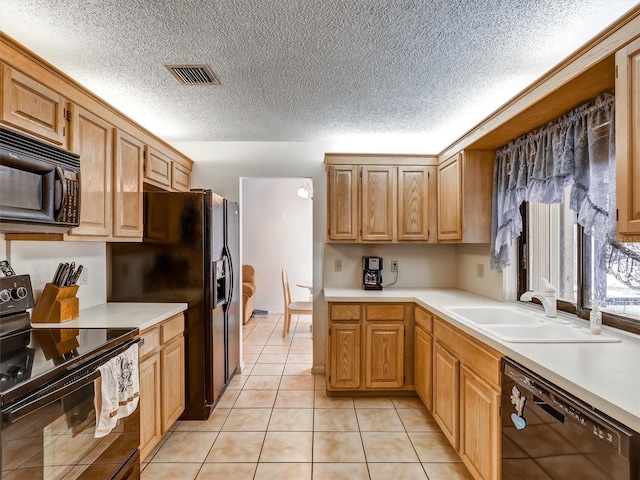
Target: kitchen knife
[
  {"x": 63, "y": 275},
  {"x": 70, "y": 275},
  {"x": 76, "y": 276},
  {"x": 56, "y": 275}
]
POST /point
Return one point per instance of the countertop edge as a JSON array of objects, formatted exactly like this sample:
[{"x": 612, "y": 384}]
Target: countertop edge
[{"x": 120, "y": 315}]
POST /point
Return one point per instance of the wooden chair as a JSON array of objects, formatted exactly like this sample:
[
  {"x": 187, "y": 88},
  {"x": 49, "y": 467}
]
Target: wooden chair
[{"x": 292, "y": 308}]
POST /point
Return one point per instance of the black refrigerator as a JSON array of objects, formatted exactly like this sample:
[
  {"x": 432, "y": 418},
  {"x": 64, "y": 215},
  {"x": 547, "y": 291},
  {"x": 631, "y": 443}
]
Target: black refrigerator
[{"x": 189, "y": 254}]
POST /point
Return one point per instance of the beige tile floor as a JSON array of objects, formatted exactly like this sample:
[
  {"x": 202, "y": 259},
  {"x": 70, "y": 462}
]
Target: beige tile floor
[{"x": 275, "y": 422}]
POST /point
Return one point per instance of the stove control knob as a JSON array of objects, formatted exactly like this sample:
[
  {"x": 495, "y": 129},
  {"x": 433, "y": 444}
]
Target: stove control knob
[
  {"x": 19, "y": 293},
  {"x": 4, "y": 377},
  {"x": 5, "y": 296},
  {"x": 16, "y": 372}
]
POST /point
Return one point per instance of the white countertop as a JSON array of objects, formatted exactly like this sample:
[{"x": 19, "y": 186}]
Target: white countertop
[
  {"x": 604, "y": 375},
  {"x": 120, "y": 315}
]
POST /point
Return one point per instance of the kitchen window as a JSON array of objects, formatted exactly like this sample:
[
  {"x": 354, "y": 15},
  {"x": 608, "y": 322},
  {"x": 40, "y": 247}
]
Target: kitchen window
[
  {"x": 554, "y": 188},
  {"x": 555, "y": 246}
]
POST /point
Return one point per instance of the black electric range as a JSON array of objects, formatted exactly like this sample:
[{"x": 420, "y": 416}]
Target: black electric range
[
  {"x": 31, "y": 358},
  {"x": 48, "y": 388}
]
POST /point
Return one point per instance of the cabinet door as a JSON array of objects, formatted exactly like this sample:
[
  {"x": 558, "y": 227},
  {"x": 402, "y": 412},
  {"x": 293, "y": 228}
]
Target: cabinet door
[
  {"x": 413, "y": 203},
  {"x": 450, "y": 199},
  {"x": 423, "y": 345},
  {"x": 343, "y": 202},
  {"x": 345, "y": 355},
  {"x": 150, "y": 425},
  {"x": 628, "y": 142},
  {"x": 157, "y": 168},
  {"x": 127, "y": 172},
  {"x": 32, "y": 107},
  {"x": 377, "y": 203},
  {"x": 479, "y": 426},
  {"x": 172, "y": 363},
  {"x": 446, "y": 371},
  {"x": 384, "y": 355},
  {"x": 180, "y": 178},
  {"x": 93, "y": 141}
]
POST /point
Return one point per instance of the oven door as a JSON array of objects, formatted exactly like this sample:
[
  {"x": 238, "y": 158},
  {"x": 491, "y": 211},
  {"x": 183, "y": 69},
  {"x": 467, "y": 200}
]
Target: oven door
[{"x": 50, "y": 435}]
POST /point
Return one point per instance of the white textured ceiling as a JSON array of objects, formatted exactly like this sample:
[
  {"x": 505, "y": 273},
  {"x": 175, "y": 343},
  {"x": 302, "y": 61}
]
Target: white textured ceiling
[{"x": 395, "y": 72}]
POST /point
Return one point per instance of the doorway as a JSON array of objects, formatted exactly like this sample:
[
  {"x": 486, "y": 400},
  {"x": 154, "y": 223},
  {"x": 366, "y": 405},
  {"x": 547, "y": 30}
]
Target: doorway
[{"x": 276, "y": 231}]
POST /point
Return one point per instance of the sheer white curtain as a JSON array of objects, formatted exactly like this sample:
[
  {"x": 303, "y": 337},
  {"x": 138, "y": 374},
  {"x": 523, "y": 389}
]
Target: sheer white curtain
[{"x": 577, "y": 149}]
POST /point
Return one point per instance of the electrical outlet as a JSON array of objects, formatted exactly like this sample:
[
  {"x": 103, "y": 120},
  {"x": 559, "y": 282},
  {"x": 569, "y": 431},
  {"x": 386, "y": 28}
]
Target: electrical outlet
[
  {"x": 394, "y": 266},
  {"x": 480, "y": 270},
  {"x": 84, "y": 276},
  {"x": 337, "y": 265}
]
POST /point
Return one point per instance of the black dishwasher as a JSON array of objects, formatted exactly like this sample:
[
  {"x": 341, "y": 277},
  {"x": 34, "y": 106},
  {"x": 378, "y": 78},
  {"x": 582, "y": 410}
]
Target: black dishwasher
[{"x": 548, "y": 434}]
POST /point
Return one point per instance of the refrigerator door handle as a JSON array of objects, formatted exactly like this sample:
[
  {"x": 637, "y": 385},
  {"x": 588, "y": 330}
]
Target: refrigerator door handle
[{"x": 229, "y": 292}]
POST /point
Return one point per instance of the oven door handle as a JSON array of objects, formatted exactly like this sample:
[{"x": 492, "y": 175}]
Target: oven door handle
[
  {"x": 69, "y": 384},
  {"x": 15, "y": 413}
]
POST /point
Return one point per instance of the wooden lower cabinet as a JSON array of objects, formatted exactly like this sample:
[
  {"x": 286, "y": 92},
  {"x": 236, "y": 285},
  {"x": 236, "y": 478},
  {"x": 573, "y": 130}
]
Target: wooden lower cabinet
[
  {"x": 367, "y": 348},
  {"x": 172, "y": 364},
  {"x": 423, "y": 356},
  {"x": 446, "y": 370},
  {"x": 150, "y": 426},
  {"x": 384, "y": 355},
  {"x": 479, "y": 425},
  {"x": 162, "y": 381},
  {"x": 466, "y": 398},
  {"x": 345, "y": 363}
]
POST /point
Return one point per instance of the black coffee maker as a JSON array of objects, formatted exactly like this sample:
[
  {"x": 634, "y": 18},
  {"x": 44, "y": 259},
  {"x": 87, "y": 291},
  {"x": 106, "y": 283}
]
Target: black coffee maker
[{"x": 372, "y": 273}]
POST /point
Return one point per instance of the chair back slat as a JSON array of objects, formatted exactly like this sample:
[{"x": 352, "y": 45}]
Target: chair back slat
[{"x": 285, "y": 288}]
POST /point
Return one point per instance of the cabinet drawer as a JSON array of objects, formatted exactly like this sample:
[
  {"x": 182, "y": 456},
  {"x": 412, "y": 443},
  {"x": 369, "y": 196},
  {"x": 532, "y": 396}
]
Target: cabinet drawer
[
  {"x": 384, "y": 312},
  {"x": 424, "y": 319},
  {"x": 349, "y": 311},
  {"x": 151, "y": 339},
  {"x": 172, "y": 327},
  {"x": 483, "y": 360}
]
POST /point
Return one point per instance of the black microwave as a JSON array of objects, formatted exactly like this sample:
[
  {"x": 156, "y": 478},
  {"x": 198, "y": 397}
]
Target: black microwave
[{"x": 39, "y": 186}]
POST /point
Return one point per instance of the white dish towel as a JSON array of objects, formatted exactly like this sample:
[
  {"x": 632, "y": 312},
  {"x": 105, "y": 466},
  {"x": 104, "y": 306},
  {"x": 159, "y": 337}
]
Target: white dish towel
[{"x": 117, "y": 390}]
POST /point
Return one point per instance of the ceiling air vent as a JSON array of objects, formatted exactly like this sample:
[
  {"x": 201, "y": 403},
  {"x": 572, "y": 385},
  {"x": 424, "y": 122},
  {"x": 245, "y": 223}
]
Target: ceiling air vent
[{"x": 193, "y": 74}]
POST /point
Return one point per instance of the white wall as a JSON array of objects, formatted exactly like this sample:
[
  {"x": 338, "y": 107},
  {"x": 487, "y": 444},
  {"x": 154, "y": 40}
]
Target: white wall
[
  {"x": 40, "y": 260},
  {"x": 468, "y": 257},
  {"x": 418, "y": 265},
  {"x": 276, "y": 232}
]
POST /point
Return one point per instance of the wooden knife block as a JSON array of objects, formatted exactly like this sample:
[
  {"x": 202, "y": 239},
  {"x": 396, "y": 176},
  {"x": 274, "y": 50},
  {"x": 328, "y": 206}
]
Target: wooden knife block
[{"x": 57, "y": 304}]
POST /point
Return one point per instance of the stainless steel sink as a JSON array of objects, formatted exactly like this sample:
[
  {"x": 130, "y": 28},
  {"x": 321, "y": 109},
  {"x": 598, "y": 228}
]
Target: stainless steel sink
[{"x": 520, "y": 325}]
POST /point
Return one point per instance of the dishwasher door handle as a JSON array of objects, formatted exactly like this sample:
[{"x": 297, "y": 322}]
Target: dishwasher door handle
[{"x": 549, "y": 409}]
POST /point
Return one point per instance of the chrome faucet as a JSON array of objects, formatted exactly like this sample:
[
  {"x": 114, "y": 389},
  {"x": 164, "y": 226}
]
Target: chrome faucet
[{"x": 548, "y": 299}]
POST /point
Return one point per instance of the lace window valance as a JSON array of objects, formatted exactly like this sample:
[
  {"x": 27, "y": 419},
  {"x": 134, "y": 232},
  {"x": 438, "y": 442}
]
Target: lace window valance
[{"x": 576, "y": 149}]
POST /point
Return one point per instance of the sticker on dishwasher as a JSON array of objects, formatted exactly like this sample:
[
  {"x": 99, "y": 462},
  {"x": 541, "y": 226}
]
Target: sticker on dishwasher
[{"x": 518, "y": 401}]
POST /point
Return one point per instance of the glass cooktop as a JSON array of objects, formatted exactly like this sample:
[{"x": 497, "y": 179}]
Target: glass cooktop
[{"x": 31, "y": 357}]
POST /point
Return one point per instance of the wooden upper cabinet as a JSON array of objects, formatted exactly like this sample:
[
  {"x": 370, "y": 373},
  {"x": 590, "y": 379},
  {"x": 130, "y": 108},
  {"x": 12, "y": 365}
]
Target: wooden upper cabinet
[
  {"x": 377, "y": 203},
  {"x": 392, "y": 199},
  {"x": 413, "y": 202},
  {"x": 342, "y": 202},
  {"x": 465, "y": 183},
  {"x": 93, "y": 141},
  {"x": 628, "y": 142},
  {"x": 33, "y": 107},
  {"x": 180, "y": 177},
  {"x": 450, "y": 199},
  {"x": 157, "y": 168},
  {"x": 127, "y": 180}
]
